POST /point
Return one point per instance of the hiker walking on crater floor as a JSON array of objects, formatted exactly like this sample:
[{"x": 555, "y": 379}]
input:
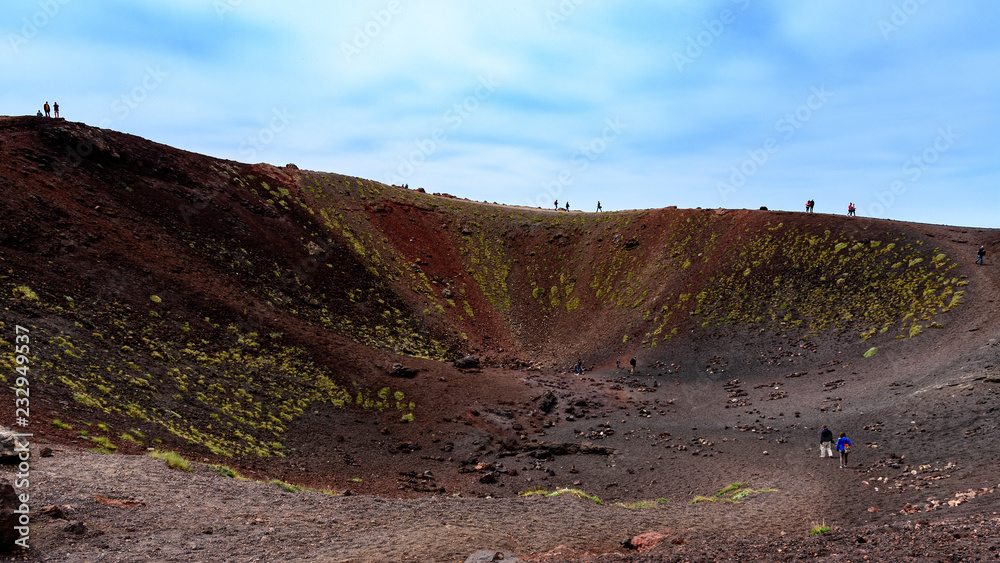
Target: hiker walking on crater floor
[
  {"x": 981, "y": 255},
  {"x": 826, "y": 442},
  {"x": 844, "y": 447},
  {"x": 632, "y": 363}
]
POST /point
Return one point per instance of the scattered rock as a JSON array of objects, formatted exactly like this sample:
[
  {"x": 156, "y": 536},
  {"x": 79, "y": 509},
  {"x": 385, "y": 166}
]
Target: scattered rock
[
  {"x": 467, "y": 362},
  {"x": 76, "y": 527},
  {"x": 46, "y": 452},
  {"x": 55, "y": 511},
  {"x": 647, "y": 541},
  {"x": 489, "y": 556},
  {"x": 399, "y": 370},
  {"x": 547, "y": 401}
]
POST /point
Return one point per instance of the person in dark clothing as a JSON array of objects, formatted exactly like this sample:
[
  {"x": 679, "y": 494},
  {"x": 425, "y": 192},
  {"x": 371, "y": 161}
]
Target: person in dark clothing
[
  {"x": 844, "y": 447},
  {"x": 598, "y": 207},
  {"x": 826, "y": 442},
  {"x": 46, "y": 108},
  {"x": 632, "y": 363},
  {"x": 981, "y": 255},
  {"x": 55, "y": 108}
]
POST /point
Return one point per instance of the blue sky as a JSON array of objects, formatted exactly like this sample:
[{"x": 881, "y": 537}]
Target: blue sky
[{"x": 733, "y": 103}]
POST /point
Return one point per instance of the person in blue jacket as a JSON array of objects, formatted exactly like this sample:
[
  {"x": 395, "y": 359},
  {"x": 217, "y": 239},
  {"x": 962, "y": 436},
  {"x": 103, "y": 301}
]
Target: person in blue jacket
[{"x": 844, "y": 447}]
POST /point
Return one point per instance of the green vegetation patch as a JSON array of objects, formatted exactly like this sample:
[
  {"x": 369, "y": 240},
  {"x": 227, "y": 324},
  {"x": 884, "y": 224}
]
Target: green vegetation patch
[
  {"x": 174, "y": 460},
  {"x": 572, "y": 492}
]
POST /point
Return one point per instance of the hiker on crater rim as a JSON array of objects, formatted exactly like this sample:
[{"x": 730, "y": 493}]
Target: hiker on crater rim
[
  {"x": 826, "y": 442},
  {"x": 55, "y": 108},
  {"x": 556, "y": 203},
  {"x": 46, "y": 108},
  {"x": 981, "y": 255},
  {"x": 844, "y": 447},
  {"x": 851, "y": 209},
  {"x": 567, "y": 206},
  {"x": 598, "y": 207}
]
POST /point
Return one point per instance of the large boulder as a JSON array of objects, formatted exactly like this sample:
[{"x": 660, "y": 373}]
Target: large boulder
[
  {"x": 9, "y": 520},
  {"x": 9, "y": 445}
]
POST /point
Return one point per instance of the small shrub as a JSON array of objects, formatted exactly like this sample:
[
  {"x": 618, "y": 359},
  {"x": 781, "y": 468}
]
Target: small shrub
[
  {"x": 819, "y": 529},
  {"x": 104, "y": 443},
  {"x": 871, "y": 352},
  {"x": 226, "y": 472},
  {"x": 287, "y": 487},
  {"x": 60, "y": 424},
  {"x": 26, "y": 293},
  {"x": 174, "y": 460}
]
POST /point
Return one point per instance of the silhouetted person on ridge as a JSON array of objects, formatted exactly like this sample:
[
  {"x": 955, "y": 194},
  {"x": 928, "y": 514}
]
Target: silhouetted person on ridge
[
  {"x": 46, "y": 108},
  {"x": 851, "y": 209},
  {"x": 39, "y": 114},
  {"x": 556, "y": 203},
  {"x": 55, "y": 108},
  {"x": 567, "y": 206},
  {"x": 598, "y": 207}
]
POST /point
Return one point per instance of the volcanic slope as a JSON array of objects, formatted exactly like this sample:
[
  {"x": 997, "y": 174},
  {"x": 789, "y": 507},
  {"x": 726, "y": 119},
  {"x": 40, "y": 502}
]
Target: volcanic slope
[{"x": 300, "y": 325}]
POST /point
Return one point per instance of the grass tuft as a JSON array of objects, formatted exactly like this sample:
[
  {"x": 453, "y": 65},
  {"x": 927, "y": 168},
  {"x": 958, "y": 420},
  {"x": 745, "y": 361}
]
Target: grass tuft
[{"x": 174, "y": 460}]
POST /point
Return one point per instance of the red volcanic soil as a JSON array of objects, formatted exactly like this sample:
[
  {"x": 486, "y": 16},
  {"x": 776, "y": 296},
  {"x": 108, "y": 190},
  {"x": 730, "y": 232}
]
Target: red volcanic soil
[{"x": 225, "y": 311}]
